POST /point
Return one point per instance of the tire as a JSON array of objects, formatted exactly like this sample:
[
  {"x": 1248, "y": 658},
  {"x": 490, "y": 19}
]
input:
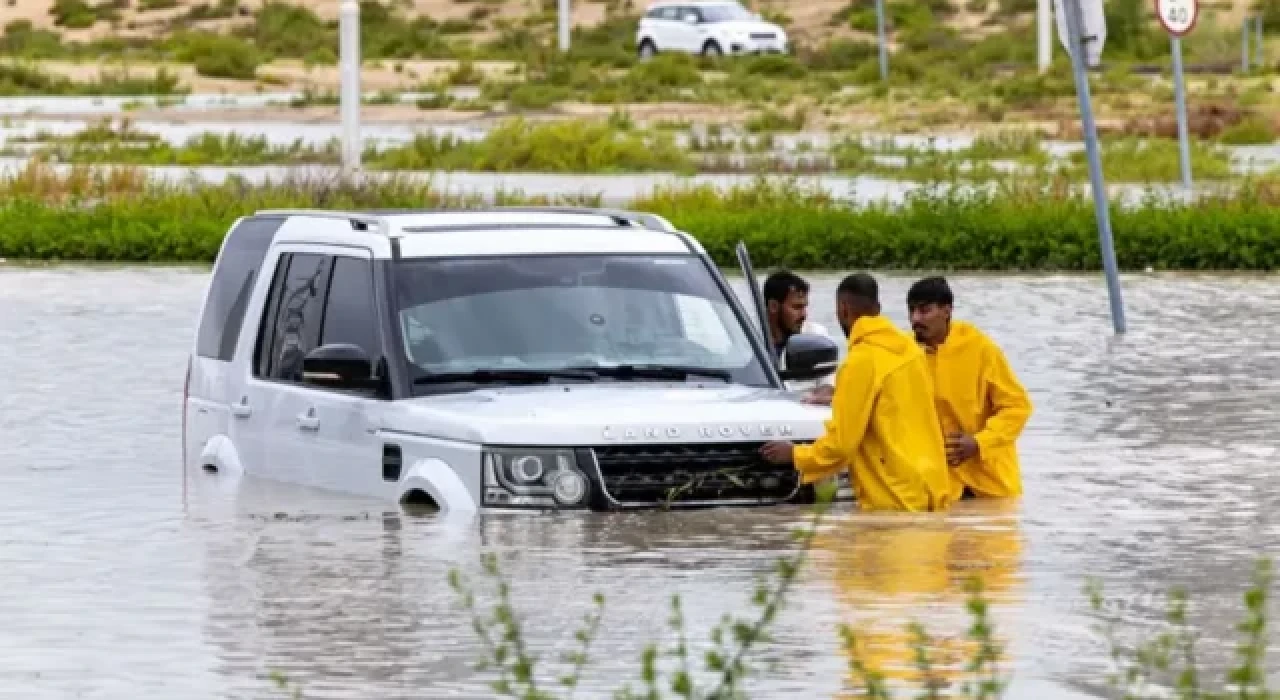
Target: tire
[
  {"x": 712, "y": 50},
  {"x": 646, "y": 50}
]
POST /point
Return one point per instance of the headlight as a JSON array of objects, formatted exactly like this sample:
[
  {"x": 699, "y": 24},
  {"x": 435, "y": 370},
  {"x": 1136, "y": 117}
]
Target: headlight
[{"x": 547, "y": 477}]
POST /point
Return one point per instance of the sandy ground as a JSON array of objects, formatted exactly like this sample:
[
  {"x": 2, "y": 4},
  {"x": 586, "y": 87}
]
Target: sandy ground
[{"x": 285, "y": 75}]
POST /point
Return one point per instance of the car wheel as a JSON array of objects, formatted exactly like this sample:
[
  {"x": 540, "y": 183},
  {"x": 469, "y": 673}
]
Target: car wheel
[
  {"x": 647, "y": 50},
  {"x": 712, "y": 50}
]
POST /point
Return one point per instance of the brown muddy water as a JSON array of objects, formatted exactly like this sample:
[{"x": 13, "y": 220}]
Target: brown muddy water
[{"x": 1149, "y": 463}]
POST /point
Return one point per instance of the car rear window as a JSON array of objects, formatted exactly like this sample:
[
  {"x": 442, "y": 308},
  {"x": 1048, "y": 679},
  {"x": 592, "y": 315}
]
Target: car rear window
[{"x": 233, "y": 277}]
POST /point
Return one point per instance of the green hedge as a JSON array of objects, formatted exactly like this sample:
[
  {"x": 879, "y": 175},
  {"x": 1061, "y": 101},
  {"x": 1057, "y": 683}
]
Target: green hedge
[{"x": 1030, "y": 229}]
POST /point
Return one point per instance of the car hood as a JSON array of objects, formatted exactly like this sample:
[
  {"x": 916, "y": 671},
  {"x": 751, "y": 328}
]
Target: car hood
[{"x": 613, "y": 413}]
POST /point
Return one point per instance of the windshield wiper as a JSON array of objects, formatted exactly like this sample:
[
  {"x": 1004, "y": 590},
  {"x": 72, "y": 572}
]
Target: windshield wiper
[
  {"x": 513, "y": 374},
  {"x": 659, "y": 372}
]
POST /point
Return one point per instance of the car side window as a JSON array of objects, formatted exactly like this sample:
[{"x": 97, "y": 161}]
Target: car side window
[
  {"x": 350, "y": 315},
  {"x": 293, "y": 330}
]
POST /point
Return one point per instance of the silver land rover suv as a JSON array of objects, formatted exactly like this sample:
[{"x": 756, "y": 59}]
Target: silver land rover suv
[{"x": 508, "y": 358}]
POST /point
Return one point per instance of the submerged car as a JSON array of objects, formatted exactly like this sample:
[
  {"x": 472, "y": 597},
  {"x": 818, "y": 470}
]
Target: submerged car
[{"x": 527, "y": 358}]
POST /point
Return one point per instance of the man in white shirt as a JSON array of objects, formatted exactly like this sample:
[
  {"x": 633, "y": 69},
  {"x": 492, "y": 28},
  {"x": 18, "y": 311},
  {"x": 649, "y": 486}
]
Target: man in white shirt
[{"x": 786, "y": 298}]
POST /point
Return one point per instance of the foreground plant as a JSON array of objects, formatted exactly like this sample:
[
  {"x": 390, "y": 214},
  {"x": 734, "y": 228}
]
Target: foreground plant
[
  {"x": 724, "y": 666},
  {"x": 1170, "y": 659}
]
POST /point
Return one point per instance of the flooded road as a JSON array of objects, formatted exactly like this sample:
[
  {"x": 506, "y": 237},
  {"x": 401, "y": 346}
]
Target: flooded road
[{"x": 1148, "y": 463}]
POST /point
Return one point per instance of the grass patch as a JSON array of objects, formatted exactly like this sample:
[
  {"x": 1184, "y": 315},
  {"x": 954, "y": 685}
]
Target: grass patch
[
  {"x": 1156, "y": 160},
  {"x": 26, "y": 79}
]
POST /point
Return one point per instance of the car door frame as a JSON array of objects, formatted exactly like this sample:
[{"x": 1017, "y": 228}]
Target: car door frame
[{"x": 290, "y": 450}]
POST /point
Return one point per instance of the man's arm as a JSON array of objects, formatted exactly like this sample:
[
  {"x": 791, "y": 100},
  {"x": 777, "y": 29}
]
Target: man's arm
[
  {"x": 850, "y": 414},
  {"x": 1010, "y": 400}
]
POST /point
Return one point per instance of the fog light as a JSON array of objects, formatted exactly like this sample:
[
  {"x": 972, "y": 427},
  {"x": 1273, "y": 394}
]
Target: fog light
[{"x": 568, "y": 487}]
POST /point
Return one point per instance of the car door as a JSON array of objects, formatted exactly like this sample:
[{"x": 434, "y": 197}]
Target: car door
[
  {"x": 332, "y": 433},
  {"x": 248, "y": 397},
  {"x": 689, "y": 33}
]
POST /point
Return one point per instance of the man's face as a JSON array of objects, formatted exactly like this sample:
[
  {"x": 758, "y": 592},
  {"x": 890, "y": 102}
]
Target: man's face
[
  {"x": 929, "y": 321},
  {"x": 792, "y": 312}
]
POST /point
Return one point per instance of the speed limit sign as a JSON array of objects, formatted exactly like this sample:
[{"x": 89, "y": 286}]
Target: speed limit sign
[{"x": 1178, "y": 17}]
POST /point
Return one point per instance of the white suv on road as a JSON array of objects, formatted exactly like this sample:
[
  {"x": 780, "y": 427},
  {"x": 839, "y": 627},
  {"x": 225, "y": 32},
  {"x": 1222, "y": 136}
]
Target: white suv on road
[
  {"x": 538, "y": 358},
  {"x": 706, "y": 27}
]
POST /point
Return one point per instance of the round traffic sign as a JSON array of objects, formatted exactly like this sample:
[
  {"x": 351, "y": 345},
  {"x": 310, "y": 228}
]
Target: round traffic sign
[{"x": 1178, "y": 17}]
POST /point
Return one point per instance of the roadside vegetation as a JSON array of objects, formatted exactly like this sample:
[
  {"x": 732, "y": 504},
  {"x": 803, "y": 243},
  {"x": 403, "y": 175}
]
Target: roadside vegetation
[
  {"x": 939, "y": 73},
  {"x": 618, "y": 144},
  {"x": 118, "y": 214}
]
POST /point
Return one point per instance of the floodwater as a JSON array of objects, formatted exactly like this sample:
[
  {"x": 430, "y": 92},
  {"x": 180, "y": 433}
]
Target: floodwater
[{"x": 1148, "y": 463}]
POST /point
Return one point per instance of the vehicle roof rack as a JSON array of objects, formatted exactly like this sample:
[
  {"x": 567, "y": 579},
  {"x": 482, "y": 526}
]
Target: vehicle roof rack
[
  {"x": 377, "y": 217},
  {"x": 367, "y": 219}
]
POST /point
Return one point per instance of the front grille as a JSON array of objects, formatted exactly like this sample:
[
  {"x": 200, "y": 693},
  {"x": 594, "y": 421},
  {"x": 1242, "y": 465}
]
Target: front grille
[
  {"x": 763, "y": 35},
  {"x": 688, "y": 474}
]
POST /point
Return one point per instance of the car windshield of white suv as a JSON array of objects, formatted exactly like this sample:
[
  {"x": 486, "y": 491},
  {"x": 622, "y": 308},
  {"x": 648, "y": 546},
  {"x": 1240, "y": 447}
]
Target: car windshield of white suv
[
  {"x": 725, "y": 13},
  {"x": 587, "y": 317}
]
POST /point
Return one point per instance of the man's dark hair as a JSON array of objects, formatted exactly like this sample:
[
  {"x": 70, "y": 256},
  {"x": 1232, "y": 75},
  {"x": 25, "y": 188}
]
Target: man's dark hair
[
  {"x": 780, "y": 284},
  {"x": 930, "y": 290},
  {"x": 860, "y": 286}
]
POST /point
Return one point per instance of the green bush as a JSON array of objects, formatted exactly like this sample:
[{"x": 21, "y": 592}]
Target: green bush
[
  {"x": 217, "y": 55},
  {"x": 121, "y": 217}
]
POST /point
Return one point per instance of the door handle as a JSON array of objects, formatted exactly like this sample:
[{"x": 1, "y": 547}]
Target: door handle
[
  {"x": 241, "y": 409},
  {"x": 308, "y": 420}
]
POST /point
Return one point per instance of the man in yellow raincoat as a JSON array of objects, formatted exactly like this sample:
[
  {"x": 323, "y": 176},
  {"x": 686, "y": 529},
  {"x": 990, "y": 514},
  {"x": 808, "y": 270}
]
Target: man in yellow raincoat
[
  {"x": 981, "y": 404},
  {"x": 884, "y": 425}
]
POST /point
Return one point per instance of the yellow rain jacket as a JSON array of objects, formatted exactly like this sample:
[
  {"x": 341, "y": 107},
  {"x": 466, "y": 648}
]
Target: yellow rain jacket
[
  {"x": 883, "y": 425},
  {"x": 978, "y": 394}
]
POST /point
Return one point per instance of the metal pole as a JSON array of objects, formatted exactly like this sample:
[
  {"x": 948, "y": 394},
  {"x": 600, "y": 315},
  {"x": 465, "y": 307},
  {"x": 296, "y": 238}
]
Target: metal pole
[
  {"x": 1180, "y": 96},
  {"x": 564, "y": 21},
  {"x": 1244, "y": 45},
  {"x": 884, "y": 51},
  {"x": 349, "y": 97},
  {"x": 1257, "y": 44},
  {"x": 1075, "y": 22},
  {"x": 1043, "y": 35}
]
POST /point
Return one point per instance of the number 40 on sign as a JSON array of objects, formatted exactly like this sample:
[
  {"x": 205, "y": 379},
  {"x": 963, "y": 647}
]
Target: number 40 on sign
[{"x": 1178, "y": 17}]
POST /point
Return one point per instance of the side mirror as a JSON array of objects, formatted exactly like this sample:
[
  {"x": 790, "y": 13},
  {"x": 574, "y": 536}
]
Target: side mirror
[
  {"x": 339, "y": 366},
  {"x": 810, "y": 356}
]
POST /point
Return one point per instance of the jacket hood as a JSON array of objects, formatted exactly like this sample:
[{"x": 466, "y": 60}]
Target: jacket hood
[{"x": 880, "y": 332}]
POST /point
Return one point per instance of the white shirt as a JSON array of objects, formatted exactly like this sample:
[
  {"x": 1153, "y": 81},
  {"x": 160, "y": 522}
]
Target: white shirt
[{"x": 803, "y": 385}]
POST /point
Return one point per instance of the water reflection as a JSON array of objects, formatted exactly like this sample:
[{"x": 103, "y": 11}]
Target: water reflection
[{"x": 891, "y": 571}]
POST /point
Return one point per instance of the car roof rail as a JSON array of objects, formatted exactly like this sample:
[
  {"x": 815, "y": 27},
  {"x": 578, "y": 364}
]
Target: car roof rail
[
  {"x": 622, "y": 217},
  {"x": 377, "y": 218},
  {"x": 367, "y": 220}
]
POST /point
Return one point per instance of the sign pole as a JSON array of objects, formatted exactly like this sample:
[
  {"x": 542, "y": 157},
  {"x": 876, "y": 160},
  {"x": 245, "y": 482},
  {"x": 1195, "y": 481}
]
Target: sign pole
[
  {"x": 1077, "y": 42},
  {"x": 1178, "y": 17},
  {"x": 884, "y": 51},
  {"x": 1257, "y": 44},
  {"x": 349, "y": 94},
  {"x": 1180, "y": 97},
  {"x": 1244, "y": 45},
  {"x": 1043, "y": 57},
  {"x": 563, "y": 24}
]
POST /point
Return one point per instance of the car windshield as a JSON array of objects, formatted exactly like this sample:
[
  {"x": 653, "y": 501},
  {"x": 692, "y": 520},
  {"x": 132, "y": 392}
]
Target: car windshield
[
  {"x": 725, "y": 13},
  {"x": 502, "y": 318}
]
